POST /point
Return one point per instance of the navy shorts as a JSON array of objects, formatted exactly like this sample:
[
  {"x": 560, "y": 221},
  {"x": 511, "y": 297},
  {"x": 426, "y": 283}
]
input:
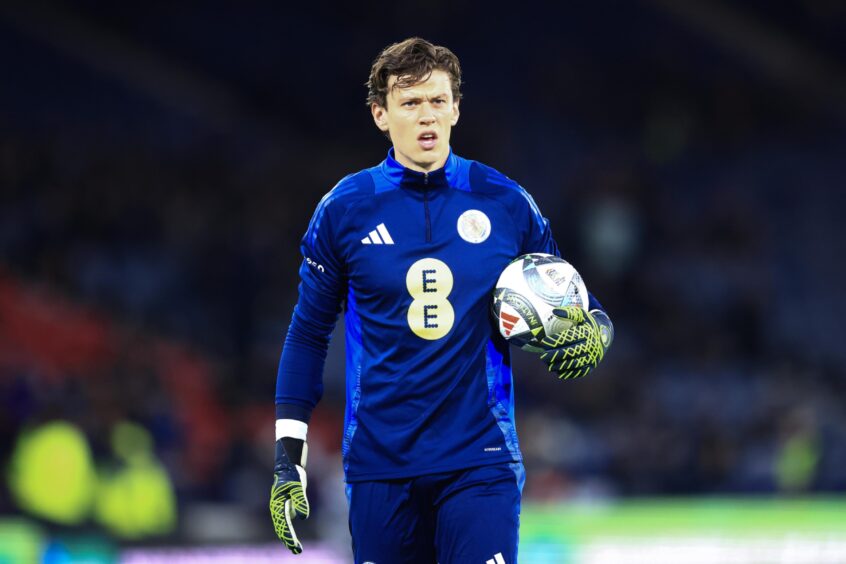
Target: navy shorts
[{"x": 467, "y": 516}]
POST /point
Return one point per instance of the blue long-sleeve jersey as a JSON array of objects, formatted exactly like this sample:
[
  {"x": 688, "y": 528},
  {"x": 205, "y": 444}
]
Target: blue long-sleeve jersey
[{"x": 414, "y": 258}]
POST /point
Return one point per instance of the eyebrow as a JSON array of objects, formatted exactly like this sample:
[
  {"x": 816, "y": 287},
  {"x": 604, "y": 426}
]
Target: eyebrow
[{"x": 410, "y": 96}]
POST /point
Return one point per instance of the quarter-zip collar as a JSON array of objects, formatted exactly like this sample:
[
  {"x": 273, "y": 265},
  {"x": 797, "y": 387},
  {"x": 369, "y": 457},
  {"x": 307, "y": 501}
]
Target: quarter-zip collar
[{"x": 398, "y": 175}]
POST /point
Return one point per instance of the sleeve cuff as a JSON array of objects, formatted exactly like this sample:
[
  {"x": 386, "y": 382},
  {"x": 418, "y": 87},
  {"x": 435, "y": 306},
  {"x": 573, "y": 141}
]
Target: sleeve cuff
[{"x": 293, "y": 411}]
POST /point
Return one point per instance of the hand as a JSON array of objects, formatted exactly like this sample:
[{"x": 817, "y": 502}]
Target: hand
[
  {"x": 574, "y": 352},
  {"x": 288, "y": 499}
]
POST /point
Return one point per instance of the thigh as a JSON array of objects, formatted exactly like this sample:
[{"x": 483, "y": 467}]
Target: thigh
[
  {"x": 389, "y": 524},
  {"x": 478, "y": 516}
]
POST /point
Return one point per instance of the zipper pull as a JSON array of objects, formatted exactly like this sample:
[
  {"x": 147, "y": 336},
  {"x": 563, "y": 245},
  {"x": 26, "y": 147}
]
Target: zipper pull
[{"x": 426, "y": 178}]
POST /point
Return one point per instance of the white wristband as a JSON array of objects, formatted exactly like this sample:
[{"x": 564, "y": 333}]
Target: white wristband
[{"x": 291, "y": 428}]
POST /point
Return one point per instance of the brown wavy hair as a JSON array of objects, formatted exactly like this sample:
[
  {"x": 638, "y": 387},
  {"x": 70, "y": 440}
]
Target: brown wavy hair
[{"x": 411, "y": 61}]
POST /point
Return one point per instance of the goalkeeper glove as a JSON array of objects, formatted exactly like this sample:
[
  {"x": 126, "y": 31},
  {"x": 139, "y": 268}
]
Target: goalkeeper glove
[
  {"x": 576, "y": 351},
  {"x": 288, "y": 499}
]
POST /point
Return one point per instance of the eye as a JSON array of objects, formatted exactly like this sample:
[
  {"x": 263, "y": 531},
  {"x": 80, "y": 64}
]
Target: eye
[{"x": 409, "y": 103}]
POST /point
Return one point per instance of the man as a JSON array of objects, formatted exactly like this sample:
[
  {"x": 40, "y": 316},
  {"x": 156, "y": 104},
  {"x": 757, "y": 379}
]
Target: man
[{"x": 413, "y": 247}]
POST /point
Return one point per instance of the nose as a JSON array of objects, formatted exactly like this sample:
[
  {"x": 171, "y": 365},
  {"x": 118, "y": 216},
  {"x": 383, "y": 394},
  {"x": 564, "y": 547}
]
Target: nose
[{"x": 427, "y": 117}]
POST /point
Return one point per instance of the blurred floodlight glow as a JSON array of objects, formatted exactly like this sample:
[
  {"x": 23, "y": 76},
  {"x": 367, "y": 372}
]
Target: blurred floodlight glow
[
  {"x": 645, "y": 531},
  {"x": 271, "y": 553},
  {"x": 687, "y": 530},
  {"x": 705, "y": 550}
]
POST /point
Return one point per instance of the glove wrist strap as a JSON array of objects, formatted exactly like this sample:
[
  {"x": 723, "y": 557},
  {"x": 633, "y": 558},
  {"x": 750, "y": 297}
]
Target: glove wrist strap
[
  {"x": 291, "y": 446},
  {"x": 606, "y": 328},
  {"x": 291, "y": 451}
]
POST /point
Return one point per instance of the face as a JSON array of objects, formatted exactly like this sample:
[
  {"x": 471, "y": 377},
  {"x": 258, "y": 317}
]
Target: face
[{"x": 419, "y": 119}]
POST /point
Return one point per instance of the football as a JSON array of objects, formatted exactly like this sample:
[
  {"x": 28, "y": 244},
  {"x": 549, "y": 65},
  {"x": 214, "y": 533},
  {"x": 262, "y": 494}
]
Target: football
[{"x": 527, "y": 291}]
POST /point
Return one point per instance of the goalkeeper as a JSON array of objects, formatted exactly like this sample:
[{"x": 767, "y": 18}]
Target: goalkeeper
[{"x": 410, "y": 250}]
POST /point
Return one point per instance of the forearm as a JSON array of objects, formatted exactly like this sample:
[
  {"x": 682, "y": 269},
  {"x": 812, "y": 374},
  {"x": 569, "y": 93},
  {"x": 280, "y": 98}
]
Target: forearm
[
  {"x": 593, "y": 303},
  {"x": 299, "y": 382},
  {"x": 299, "y": 379}
]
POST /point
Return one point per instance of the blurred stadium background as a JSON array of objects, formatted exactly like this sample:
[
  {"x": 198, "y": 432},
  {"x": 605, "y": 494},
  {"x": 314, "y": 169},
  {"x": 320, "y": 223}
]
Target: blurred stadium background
[{"x": 159, "y": 162}]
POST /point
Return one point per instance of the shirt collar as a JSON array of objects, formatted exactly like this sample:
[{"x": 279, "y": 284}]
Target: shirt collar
[{"x": 399, "y": 175}]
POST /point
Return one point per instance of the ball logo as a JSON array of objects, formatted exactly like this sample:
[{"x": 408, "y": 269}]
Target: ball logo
[
  {"x": 474, "y": 226},
  {"x": 525, "y": 310},
  {"x": 508, "y": 322},
  {"x": 555, "y": 276}
]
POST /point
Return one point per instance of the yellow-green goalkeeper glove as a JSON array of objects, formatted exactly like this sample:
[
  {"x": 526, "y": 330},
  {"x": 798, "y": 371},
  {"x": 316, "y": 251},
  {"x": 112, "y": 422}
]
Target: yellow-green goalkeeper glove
[
  {"x": 288, "y": 499},
  {"x": 576, "y": 351}
]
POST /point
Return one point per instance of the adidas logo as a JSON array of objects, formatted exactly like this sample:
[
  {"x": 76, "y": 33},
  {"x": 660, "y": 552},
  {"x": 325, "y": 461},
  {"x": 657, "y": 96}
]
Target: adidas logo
[
  {"x": 508, "y": 321},
  {"x": 378, "y": 236},
  {"x": 497, "y": 559}
]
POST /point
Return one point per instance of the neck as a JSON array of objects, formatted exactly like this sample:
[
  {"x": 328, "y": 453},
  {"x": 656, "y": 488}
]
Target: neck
[{"x": 419, "y": 167}]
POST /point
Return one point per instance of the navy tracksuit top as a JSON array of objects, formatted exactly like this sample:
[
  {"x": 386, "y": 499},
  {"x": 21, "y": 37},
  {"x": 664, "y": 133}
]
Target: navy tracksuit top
[{"x": 413, "y": 259}]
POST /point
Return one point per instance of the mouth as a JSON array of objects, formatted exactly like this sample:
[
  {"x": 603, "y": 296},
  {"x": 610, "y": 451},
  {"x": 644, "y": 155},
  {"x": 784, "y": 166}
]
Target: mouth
[{"x": 427, "y": 140}]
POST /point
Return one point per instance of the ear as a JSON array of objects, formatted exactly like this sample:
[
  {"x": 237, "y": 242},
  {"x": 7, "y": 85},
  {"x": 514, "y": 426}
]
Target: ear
[
  {"x": 455, "y": 112},
  {"x": 380, "y": 117}
]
